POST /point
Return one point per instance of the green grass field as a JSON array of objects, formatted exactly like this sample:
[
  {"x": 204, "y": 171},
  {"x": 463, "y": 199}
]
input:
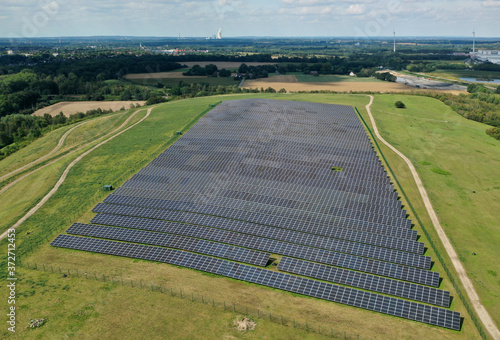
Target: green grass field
[
  {"x": 331, "y": 78},
  {"x": 171, "y": 82},
  {"x": 458, "y": 164},
  {"x": 87, "y": 308}
]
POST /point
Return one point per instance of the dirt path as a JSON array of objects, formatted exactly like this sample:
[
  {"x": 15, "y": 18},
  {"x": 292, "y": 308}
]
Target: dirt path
[
  {"x": 63, "y": 156},
  {"x": 462, "y": 274},
  {"x": 36, "y": 161},
  {"x": 68, "y": 168}
]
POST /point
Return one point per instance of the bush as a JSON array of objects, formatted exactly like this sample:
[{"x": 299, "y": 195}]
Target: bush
[
  {"x": 400, "y": 105},
  {"x": 494, "y": 132}
]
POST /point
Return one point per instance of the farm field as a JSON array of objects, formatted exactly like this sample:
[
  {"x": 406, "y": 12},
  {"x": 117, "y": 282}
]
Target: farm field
[
  {"x": 233, "y": 66},
  {"x": 333, "y": 78},
  {"x": 84, "y": 314},
  {"x": 158, "y": 75},
  {"x": 170, "y": 82},
  {"x": 69, "y": 108},
  {"x": 343, "y": 86}
]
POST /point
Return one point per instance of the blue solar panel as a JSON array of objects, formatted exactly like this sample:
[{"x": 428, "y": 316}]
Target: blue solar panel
[
  {"x": 256, "y": 177},
  {"x": 353, "y": 297}
]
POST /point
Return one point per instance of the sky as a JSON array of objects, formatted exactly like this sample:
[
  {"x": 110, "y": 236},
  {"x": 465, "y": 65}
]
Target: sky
[{"x": 280, "y": 18}]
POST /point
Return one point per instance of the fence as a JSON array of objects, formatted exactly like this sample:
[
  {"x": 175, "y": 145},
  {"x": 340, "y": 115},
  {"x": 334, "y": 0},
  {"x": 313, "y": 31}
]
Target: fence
[
  {"x": 470, "y": 311},
  {"x": 194, "y": 298}
]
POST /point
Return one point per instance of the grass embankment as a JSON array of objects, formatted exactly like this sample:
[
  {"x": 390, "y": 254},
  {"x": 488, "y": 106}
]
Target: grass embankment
[
  {"x": 458, "y": 165},
  {"x": 21, "y": 197},
  {"x": 92, "y": 129},
  {"x": 117, "y": 161}
]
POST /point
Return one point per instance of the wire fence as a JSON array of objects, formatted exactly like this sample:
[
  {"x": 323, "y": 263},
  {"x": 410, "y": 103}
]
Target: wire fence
[
  {"x": 451, "y": 276},
  {"x": 249, "y": 312}
]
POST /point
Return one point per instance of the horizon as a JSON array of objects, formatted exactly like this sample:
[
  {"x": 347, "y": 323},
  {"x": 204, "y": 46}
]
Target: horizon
[
  {"x": 259, "y": 37},
  {"x": 242, "y": 18}
]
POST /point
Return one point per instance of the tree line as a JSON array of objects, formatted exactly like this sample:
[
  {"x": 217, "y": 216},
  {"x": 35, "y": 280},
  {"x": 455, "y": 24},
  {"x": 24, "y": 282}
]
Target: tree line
[{"x": 18, "y": 130}]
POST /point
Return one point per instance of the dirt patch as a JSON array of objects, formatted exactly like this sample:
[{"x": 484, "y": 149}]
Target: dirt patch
[
  {"x": 244, "y": 324},
  {"x": 334, "y": 86},
  {"x": 69, "y": 108}
]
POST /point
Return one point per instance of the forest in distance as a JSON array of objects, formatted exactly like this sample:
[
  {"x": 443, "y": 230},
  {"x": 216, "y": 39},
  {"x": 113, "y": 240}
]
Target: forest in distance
[{"x": 50, "y": 73}]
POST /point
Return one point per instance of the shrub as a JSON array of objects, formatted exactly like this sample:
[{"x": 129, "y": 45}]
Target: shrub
[
  {"x": 400, "y": 105},
  {"x": 494, "y": 132}
]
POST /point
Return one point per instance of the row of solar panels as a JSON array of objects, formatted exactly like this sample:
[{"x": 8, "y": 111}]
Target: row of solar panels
[
  {"x": 300, "y": 285},
  {"x": 246, "y": 182},
  {"x": 363, "y": 264},
  {"x": 388, "y": 249}
]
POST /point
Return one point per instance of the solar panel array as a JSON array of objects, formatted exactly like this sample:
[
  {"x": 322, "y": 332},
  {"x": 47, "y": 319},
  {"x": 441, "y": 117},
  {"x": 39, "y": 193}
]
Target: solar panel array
[
  {"x": 353, "y": 297},
  {"x": 257, "y": 177}
]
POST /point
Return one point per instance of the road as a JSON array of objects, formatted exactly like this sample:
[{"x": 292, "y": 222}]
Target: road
[{"x": 482, "y": 313}]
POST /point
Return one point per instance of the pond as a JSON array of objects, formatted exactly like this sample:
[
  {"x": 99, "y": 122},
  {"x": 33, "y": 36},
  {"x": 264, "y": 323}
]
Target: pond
[{"x": 481, "y": 80}]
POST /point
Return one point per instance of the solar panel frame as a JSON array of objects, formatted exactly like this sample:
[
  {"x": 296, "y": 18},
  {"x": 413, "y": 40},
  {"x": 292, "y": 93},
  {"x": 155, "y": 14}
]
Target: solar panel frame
[{"x": 300, "y": 285}]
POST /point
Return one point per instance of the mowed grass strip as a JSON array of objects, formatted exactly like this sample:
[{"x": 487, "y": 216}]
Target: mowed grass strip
[
  {"x": 22, "y": 196},
  {"x": 92, "y": 129},
  {"x": 458, "y": 164}
]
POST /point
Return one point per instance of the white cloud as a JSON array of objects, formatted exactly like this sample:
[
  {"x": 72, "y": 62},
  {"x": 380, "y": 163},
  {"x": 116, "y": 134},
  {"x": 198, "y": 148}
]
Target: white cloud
[
  {"x": 491, "y": 3},
  {"x": 356, "y": 9}
]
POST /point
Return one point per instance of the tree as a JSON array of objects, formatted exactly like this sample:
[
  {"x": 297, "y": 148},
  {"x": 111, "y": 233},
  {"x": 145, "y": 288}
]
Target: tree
[
  {"x": 498, "y": 89},
  {"x": 400, "y": 105},
  {"x": 211, "y": 70},
  {"x": 224, "y": 73},
  {"x": 243, "y": 68},
  {"x": 283, "y": 90}
]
